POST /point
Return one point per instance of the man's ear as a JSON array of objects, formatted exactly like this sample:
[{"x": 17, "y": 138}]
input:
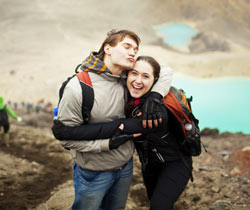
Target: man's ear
[{"x": 107, "y": 49}]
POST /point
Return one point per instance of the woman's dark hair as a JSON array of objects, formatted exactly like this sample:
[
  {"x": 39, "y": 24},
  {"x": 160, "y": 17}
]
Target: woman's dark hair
[
  {"x": 113, "y": 37},
  {"x": 155, "y": 65}
]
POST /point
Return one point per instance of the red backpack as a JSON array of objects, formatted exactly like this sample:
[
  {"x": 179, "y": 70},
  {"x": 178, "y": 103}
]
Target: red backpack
[
  {"x": 87, "y": 92},
  {"x": 182, "y": 122}
]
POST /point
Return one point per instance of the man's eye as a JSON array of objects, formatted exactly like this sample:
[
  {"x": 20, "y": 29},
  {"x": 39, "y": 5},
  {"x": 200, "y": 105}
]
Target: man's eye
[{"x": 126, "y": 46}]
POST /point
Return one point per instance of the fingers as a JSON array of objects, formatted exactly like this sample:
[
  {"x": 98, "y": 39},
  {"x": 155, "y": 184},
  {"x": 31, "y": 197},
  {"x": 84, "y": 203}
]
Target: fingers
[
  {"x": 144, "y": 120},
  {"x": 137, "y": 135},
  {"x": 147, "y": 122},
  {"x": 156, "y": 123},
  {"x": 150, "y": 123},
  {"x": 139, "y": 114},
  {"x": 159, "y": 117},
  {"x": 121, "y": 127}
]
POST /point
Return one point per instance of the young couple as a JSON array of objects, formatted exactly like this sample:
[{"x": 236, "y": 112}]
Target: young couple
[{"x": 102, "y": 150}]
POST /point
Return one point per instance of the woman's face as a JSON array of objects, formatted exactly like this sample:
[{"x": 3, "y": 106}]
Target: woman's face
[{"x": 140, "y": 79}]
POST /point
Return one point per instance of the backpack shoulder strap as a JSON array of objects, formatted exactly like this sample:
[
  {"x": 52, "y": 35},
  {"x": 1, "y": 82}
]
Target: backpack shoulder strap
[
  {"x": 174, "y": 103},
  {"x": 87, "y": 94}
]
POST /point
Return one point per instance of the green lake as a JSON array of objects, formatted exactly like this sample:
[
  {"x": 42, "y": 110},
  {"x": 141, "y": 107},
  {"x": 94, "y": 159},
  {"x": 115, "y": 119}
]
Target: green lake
[
  {"x": 175, "y": 34},
  {"x": 222, "y": 103}
]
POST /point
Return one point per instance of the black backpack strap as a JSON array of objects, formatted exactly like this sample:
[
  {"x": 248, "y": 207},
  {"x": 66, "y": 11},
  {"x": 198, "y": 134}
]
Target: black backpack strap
[
  {"x": 61, "y": 90},
  {"x": 87, "y": 94}
]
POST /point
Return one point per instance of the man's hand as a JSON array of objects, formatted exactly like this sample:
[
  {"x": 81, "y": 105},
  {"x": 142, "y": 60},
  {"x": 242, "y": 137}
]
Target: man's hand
[
  {"x": 151, "y": 110},
  {"x": 120, "y": 138}
]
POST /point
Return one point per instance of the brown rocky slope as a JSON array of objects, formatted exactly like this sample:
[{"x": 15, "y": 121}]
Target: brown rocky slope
[{"x": 35, "y": 172}]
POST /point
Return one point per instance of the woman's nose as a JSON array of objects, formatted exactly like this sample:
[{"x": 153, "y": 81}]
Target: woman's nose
[{"x": 138, "y": 79}]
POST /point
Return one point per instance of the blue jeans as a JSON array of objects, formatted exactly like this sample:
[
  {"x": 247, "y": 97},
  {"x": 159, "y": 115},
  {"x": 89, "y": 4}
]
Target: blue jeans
[{"x": 101, "y": 190}]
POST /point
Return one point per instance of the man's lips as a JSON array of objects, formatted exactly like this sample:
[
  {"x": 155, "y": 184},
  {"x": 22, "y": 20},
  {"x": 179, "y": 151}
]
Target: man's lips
[{"x": 131, "y": 60}]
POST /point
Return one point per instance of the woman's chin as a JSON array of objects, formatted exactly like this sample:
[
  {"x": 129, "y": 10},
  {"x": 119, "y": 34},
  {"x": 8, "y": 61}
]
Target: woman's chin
[{"x": 136, "y": 95}]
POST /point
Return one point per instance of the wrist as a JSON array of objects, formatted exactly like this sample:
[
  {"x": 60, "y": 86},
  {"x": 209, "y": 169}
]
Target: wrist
[{"x": 104, "y": 145}]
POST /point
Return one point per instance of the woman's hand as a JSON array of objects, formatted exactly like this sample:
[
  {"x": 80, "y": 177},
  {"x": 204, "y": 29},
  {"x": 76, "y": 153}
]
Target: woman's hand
[{"x": 151, "y": 111}]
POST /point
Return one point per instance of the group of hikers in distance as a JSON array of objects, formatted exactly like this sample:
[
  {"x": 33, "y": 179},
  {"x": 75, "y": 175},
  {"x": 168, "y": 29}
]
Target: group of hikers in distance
[
  {"x": 111, "y": 107},
  {"x": 10, "y": 109}
]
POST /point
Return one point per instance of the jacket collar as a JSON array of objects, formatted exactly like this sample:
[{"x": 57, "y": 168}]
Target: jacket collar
[{"x": 93, "y": 64}]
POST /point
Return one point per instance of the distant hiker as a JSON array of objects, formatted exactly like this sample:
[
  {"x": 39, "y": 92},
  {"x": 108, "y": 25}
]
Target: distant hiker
[
  {"x": 29, "y": 107},
  {"x": 48, "y": 107},
  {"x": 103, "y": 169},
  {"x": 5, "y": 110},
  {"x": 39, "y": 105},
  {"x": 15, "y": 105}
]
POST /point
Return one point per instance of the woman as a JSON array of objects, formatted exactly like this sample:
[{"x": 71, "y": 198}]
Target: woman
[{"x": 164, "y": 169}]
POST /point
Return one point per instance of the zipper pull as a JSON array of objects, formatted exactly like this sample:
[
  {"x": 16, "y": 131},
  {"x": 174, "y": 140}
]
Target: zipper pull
[{"x": 158, "y": 155}]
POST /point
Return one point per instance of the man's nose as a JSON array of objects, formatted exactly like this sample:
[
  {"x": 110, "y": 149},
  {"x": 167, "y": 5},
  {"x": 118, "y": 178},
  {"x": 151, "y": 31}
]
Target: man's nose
[{"x": 132, "y": 52}]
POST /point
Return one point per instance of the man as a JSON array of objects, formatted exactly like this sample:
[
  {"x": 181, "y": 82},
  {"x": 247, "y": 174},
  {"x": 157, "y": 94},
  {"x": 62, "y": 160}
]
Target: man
[{"x": 102, "y": 173}]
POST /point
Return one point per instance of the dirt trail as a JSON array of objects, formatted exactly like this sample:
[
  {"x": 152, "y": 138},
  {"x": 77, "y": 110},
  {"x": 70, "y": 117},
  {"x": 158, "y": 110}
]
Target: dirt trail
[{"x": 31, "y": 167}]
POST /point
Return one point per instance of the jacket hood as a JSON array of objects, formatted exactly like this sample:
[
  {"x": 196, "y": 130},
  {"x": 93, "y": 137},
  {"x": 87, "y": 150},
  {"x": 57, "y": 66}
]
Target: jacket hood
[{"x": 94, "y": 64}]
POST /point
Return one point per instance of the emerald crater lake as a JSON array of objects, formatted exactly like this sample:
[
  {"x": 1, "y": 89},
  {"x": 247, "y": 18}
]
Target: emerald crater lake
[
  {"x": 222, "y": 103},
  {"x": 176, "y": 34}
]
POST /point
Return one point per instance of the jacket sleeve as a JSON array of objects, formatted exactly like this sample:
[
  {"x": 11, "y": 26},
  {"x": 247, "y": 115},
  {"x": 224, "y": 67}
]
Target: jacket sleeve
[
  {"x": 11, "y": 113},
  {"x": 86, "y": 132},
  {"x": 105, "y": 130},
  {"x": 163, "y": 84},
  {"x": 87, "y": 146}
]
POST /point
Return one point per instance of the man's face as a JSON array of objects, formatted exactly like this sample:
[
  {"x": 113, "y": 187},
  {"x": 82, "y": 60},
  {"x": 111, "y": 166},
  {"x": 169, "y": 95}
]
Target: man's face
[{"x": 123, "y": 55}]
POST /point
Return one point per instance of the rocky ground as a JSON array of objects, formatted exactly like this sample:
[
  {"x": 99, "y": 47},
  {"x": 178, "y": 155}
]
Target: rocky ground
[{"x": 35, "y": 172}]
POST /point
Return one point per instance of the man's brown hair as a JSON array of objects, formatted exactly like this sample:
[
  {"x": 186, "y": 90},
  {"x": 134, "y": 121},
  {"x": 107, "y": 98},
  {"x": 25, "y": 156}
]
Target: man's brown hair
[{"x": 113, "y": 37}]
